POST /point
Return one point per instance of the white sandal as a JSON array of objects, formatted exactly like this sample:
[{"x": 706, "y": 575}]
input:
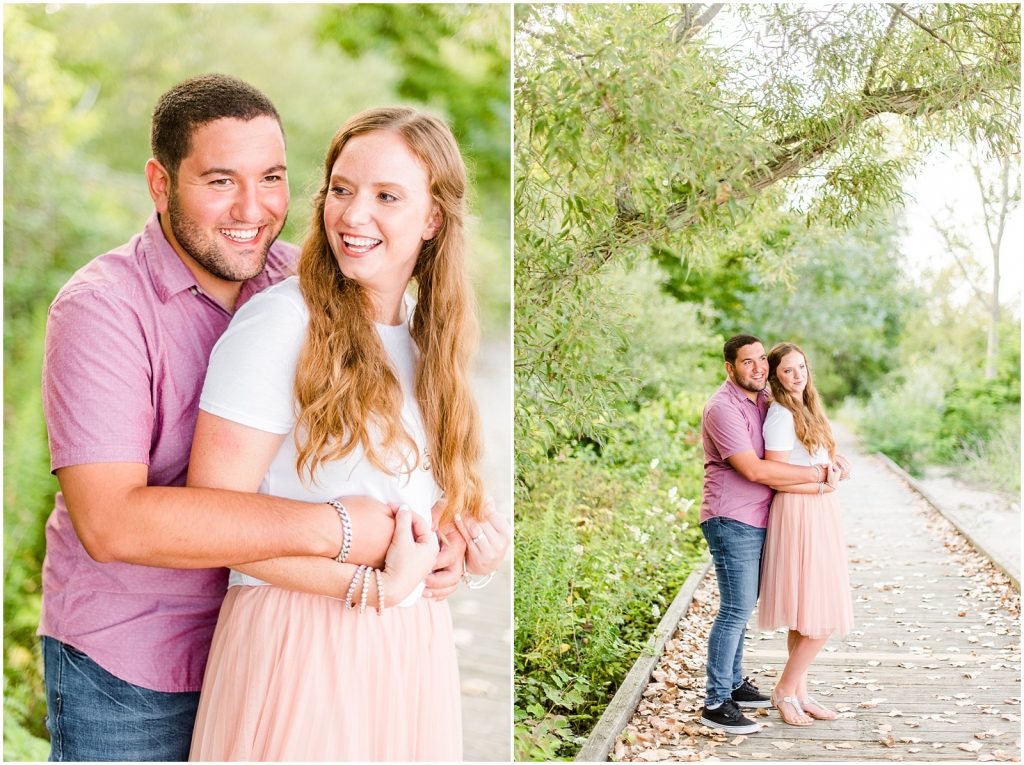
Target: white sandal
[{"x": 794, "y": 702}]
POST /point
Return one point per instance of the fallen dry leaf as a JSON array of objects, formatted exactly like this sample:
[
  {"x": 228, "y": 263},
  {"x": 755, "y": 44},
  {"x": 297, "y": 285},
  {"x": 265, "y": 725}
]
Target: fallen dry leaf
[
  {"x": 654, "y": 755},
  {"x": 972, "y": 746},
  {"x": 782, "y": 744},
  {"x": 870, "y": 704}
]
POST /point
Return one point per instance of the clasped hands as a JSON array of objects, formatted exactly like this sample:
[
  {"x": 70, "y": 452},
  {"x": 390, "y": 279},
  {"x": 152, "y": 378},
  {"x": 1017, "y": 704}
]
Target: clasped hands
[
  {"x": 476, "y": 547},
  {"x": 416, "y": 552}
]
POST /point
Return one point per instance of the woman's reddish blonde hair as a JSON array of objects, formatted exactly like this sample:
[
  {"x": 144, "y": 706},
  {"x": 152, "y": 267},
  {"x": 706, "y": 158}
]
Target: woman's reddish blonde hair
[{"x": 347, "y": 393}]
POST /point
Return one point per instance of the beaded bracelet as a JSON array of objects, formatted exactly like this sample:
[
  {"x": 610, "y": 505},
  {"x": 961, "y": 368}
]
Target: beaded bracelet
[
  {"x": 352, "y": 587},
  {"x": 366, "y": 588},
  {"x": 380, "y": 591},
  {"x": 346, "y": 529}
]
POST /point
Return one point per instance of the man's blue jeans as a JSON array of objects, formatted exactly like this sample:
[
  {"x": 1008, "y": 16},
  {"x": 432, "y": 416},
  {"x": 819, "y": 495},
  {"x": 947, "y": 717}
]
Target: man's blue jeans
[
  {"x": 736, "y": 550},
  {"x": 94, "y": 716}
]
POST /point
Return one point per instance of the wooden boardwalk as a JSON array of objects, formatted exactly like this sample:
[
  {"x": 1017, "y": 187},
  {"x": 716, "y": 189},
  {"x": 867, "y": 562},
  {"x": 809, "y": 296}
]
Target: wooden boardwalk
[{"x": 931, "y": 671}]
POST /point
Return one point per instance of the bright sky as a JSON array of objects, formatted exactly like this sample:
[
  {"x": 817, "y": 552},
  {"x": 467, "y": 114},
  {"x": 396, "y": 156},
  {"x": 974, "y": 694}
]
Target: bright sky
[{"x": 947, "y": 181}]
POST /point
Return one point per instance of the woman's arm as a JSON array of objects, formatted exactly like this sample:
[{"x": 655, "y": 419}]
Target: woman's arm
[
  {"x": 409, "y": 559},
  {"x": 797, "y": 488},
  {"x": 228, "y": 455}
]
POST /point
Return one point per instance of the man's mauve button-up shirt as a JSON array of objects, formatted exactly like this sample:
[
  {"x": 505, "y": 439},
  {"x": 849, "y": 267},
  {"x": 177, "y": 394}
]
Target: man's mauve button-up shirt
[
  {"x": 128, "y": 340},
  {"x": 731, "y": 424}
]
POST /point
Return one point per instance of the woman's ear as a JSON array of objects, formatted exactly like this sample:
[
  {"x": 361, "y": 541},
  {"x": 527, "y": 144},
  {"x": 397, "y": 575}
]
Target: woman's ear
[{"x": 434, "y": 224}]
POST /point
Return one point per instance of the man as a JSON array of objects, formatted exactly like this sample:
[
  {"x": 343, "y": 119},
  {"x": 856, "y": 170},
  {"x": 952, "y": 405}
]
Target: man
[
  {"x": 132, "y": 581},
  {"x": 733, "y": 517}
]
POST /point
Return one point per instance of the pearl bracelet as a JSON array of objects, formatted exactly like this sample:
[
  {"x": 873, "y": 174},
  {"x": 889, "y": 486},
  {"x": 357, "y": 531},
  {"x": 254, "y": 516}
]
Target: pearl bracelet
[
  {"x": 380, "y": 591},
  {"x": 346, "y": 529},
  {"x": 352, "y": 587}
]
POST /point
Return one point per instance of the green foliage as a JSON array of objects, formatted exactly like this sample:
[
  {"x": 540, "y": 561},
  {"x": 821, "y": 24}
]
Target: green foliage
[
  {"x": 606, "y": 516},
  {"x": 603, "y": 543},
  {"x": 995, "y": 463},
  {"x": 973, "y": 411}
]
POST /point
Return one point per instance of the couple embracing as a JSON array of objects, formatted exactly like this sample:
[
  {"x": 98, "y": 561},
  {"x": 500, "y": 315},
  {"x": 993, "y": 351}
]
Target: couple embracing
[
  {"x": 771, "y": 520},
  {"x": 315, "y": 433}
]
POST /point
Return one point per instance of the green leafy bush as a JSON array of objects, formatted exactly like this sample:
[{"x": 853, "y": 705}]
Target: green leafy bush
[{"x": 973, "y": 411}]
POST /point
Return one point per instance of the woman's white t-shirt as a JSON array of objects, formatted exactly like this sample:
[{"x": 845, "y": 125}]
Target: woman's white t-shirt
[
  {"x": 251, "y": 381},
  {"x": 780, "y": 436}
]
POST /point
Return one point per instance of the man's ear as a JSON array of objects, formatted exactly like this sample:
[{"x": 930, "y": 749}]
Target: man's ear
[{"x": 159, "y": 182}]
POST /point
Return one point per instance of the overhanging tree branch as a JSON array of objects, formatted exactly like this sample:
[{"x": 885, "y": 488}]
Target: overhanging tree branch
[{"x": 795, "y": 152}]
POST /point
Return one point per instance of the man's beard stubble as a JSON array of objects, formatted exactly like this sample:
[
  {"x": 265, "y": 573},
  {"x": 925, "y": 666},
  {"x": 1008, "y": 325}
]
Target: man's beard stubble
[{"x": 205, "y": 252}]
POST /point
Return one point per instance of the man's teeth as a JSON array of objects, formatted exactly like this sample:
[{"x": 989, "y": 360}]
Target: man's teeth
[
  {"x": 240, "y": 235},
  {"x": 360, "y": 241}
]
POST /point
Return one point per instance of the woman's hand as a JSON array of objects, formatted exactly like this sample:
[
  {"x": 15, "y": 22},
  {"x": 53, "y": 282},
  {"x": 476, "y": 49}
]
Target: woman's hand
[
  {"x": 844, "y": 465},
  {"x": 410, "y": 557},
  {"x": 487, "y": 541}
]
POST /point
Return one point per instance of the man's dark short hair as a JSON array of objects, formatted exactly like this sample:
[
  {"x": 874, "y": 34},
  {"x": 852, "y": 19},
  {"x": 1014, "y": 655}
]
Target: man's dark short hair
[
  {"x": 733, "y": 345},
  {"x": 196, "y": 102}
]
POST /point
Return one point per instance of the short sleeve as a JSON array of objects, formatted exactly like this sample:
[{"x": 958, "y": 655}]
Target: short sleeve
[
  {"x": 251, "y": 375},
  {"x": 728, "y": 429},
  {"x": 85, "y": 382},
  {"x": 779, "y": 432}
]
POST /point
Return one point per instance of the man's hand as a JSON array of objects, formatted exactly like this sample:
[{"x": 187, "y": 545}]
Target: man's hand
[
  {"x": 450, "y": 565},
  {"x": 487, "y": 541}
]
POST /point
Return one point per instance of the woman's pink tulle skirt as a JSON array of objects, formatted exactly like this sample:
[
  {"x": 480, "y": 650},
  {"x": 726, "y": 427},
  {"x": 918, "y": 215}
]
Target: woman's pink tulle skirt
[
  {"x": 293, "y": 676},
  {"x": 805, "y": 584}
]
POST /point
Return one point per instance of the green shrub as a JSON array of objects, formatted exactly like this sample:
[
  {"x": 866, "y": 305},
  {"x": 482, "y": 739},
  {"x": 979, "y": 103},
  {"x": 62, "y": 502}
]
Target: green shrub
[
  {"x": 974, "y": 410},
  {"x": 902, "y": 419},
  {"x": 605, "y": 537},
  {"x": 994, "y": 463}
]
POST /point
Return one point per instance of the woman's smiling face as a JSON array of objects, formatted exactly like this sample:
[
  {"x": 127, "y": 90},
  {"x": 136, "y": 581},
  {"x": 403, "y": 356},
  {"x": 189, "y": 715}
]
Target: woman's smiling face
[{"x": 378, "y": 212}]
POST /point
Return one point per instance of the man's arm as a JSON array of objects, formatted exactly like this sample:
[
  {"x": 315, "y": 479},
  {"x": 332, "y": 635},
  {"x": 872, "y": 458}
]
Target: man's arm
[
  {"x": 772, "y": 473},
  {"x": 119, "y": 518}
]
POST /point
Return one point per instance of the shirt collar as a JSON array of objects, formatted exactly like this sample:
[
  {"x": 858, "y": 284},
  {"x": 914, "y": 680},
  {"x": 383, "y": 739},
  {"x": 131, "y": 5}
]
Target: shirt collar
[
  {"x": 169, "y": 273},
  {"x": 740, "y": 395}
]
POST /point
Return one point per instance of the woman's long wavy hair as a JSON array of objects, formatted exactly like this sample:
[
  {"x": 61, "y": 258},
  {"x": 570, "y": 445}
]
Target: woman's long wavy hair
[
  {"x": 812, "y": 428},
  {"x": 348, "y": 394}
]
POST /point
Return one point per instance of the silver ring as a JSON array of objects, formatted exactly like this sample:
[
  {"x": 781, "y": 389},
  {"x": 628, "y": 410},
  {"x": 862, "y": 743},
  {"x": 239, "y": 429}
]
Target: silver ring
[{"x": 477, "y": 538}]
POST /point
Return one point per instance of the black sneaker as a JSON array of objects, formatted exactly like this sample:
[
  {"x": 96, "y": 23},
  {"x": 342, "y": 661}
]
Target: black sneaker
[
  {"x": 748, "y": 697},
  {"x": 728, "y": 717}
]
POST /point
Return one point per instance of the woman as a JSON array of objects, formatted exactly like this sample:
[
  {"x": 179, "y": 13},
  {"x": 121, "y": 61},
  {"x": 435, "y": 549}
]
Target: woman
[
  {"x": 336, "y": 383},
  {"x": 804, "y": 582}
]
